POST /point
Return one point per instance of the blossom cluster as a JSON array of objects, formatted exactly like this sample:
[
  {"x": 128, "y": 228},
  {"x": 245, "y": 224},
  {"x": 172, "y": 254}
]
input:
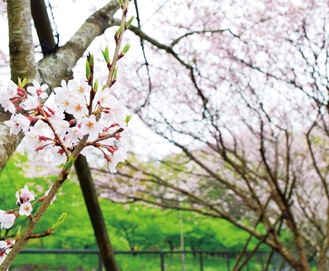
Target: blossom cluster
[
  {"x": 5, "y": 247},
  {"x": 56, "y": 127},
  {"x": 24, "y": 200}
]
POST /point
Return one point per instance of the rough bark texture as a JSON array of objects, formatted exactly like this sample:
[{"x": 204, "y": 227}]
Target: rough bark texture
[
  {"x": 21, "y": 47},
  {"x": 22, "y": 64},
  {"x": 52, "y": 68},
  {"x": 8, "y": 143},
  {"x": 59, "y": 65}
]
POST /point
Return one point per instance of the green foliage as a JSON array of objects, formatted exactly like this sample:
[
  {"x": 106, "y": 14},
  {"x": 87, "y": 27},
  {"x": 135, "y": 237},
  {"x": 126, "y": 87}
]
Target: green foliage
[
  {"x": 88, "y": 73},
  {"x": 131, "y": 226},
  {"x": 22, "y": 83},
  {"x": 106, "y": 54},
  {"x": 128, "y": 23},
  {"x": 9, "y": 182}
]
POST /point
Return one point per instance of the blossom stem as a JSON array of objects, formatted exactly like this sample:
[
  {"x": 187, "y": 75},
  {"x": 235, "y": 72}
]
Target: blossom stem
[
  {"x": 91, "y": 143},
  {"x": 118, "y": 40},
  {"x": 28, "y": 233},
  {"x": 59, "y": 139}
]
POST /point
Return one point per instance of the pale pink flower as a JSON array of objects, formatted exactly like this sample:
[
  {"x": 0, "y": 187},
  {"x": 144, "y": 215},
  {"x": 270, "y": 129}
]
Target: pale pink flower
[
  {"x": 25, "y": 209},
  {"x": 52, "y": 106},
  {"x": 3, "y": 252},
  {"x": 24, "y": 195},
  {"x": 12, "y": 89},
  {"x": 80, "y": 88},
  {"x": 3, "y": 245},
  {"x": 90, "y": 126},
  {"x": 6, "y": 220},
  {"x": 59, "y": 155},
  {"x": 30, "y": 103},
  {"x": 104, "y": 98},
  {"x": 77, "y": 107},
  {"x": 5, "y": 248},
  {"x": 32, "y": 140},
  {"x": 7, "y": 104},
  {"x": 73, "y": 134},
  {"x": 17, "y": 123},
  {"x": 117, "y": 114},
  {"x": 38, "y": 90},
  {"x": 120, "y": 155},
  {"x": 62, "y": 96},
  {"x": 5, "y": 97}
]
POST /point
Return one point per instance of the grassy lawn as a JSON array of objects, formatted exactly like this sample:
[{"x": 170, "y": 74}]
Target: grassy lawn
[{"x": 128, "y": 262}]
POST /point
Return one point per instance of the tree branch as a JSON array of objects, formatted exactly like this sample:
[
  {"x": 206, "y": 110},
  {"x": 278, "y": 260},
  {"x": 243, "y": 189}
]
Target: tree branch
[{"x": 52, "y": 69}]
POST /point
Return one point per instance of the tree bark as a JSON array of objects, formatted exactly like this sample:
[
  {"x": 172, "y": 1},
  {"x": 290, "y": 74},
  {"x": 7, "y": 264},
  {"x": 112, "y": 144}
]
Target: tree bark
[
  {"x": 95, "y": 213},
  {"x": 21, "y": 47},
  {"x": 22, "y": 64},
  {"x": 43, "y": 27}
]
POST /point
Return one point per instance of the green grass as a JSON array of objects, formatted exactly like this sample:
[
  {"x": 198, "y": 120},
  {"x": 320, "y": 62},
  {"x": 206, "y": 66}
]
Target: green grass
[
  {"x": 54, "y": 262},
  {"x": 128, "y": 262}
]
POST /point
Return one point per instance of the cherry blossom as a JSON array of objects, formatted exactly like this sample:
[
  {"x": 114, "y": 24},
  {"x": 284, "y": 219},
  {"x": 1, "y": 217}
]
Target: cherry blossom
[
  {"x": 105, "y": 98},
  {"x": 47, "y": 130},
  {"x": 58, "y": 156},
  {"x": 24, "y": 195},
  {"x": 38, "y": 90},
  {"x": 3, "y": 254},
  {"x": 5, "y": 247},
  {"x": 90, "y": 126},
  {"x": 77, "y": 107},
  {"x": 117, "y": 114},
  {"x": 79, "y": 87},
  {"x": 100, "y": 119},
  {"x": 31, "y": 103},
  {"x": 17, "y": 123},
  {"x": 103, "y": 119},
  {"x": 62, "y": 97},
  {"x": 119, "y": 155},
  {"x": 6, "y": 220},
  {"x": 25, "y": 209},
  {"x": 6, "y": 96}
]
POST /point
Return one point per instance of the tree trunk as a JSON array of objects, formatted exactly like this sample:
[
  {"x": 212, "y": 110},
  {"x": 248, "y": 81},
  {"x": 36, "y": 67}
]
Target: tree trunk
[
  {"x": 21, "y": 47},
  {"x": 95, "y": 213},
  {"x": 22, "y": 64}
]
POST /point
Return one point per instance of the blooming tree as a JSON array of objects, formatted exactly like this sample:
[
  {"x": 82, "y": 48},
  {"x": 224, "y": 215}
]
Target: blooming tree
[
  {"x": 239, "y": 88},
  {"x": 82, "y": 117},
  {"x": 241, "y": 93}
]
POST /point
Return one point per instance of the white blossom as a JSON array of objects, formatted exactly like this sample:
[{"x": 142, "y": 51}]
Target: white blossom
[{"x": 6, "y": 220}]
